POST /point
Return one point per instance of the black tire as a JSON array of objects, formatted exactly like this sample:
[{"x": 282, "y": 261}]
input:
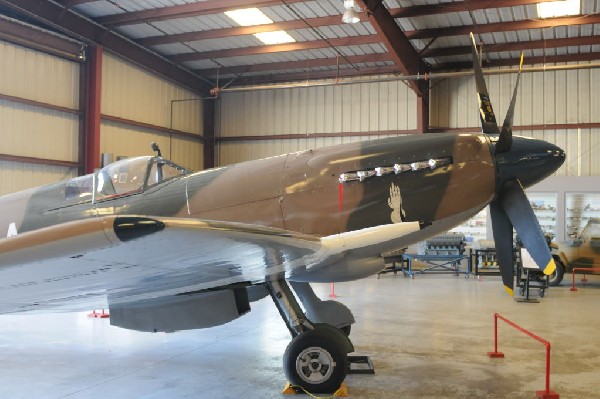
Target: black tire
[
  {"x": 557, "y": 277},
  {"x": 346, "y": 330},
  {"x": 316, "y": 362}
]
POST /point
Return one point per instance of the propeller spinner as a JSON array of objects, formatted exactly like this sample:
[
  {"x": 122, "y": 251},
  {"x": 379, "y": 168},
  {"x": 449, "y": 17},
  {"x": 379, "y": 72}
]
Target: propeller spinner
[{"x": 520, "y": 162}]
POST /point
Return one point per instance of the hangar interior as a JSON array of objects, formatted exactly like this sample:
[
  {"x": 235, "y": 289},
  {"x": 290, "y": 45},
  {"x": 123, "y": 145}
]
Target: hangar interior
[{"x": 83, "y": 82}]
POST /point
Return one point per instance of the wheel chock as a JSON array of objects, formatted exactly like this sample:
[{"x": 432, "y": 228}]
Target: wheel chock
[
  {"x": 289, "y": 389},
  {"x": 342, "y": 391}
]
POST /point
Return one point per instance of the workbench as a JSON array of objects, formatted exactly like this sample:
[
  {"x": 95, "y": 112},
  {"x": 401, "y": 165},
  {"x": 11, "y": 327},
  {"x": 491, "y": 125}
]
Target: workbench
[{"x": 435, "y": 264}]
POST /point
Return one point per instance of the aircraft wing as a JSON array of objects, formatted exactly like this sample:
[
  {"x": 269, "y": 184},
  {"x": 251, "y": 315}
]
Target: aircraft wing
[
  {"x": 143, "y": 257},
  {"x": 137, "y": 258}
]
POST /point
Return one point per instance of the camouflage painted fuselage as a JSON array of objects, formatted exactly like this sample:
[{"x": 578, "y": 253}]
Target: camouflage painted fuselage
[{"x": 299, "y": 192}]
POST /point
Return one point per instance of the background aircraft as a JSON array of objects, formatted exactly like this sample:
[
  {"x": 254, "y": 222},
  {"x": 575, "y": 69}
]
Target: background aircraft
[{"x": 166, "y": 249}]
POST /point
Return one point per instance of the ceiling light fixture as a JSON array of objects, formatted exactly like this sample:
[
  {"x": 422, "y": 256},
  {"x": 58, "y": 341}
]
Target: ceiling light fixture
[
  {"x": 552, "y": 9},
  {"x": 351, "y": 14},
  {"x": 254, "y": 16},
  {"x": 276, "y": 37},
  {"x": 249, "y": 17}
]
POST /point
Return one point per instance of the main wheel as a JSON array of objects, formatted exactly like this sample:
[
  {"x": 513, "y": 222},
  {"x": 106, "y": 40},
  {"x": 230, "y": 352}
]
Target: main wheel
[
  {"x": 316, "y": 362},
  {"x": 557, "y": 277},
  {"x": 347, "y": 329}
]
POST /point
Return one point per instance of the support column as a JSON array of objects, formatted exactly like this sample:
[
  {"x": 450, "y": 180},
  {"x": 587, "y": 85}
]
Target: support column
[
  {"x": 423, "y": 108},
  {"x": 209, "y": 108},
  {"x": 92, "y": 109}
]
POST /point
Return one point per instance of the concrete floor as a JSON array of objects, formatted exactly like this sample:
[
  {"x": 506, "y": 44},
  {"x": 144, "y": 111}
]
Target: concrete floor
[{"x": 427, "y": 338}]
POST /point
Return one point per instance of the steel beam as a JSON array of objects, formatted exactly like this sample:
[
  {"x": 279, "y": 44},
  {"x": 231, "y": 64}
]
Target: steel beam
[
  {"x": 209, "y": 110},
  {"x": 504, "y": 26},
  {"x": 514, "y": 46},
  {"x": 400, "y": 48},
  {"x": 185, "y": 10},
  {"x": 458, "y": 6},
  {"x": 515, "y": 61},
  {"x": 313, "y": 75},
  {"x": 25, "y": 35},
  {"x": 71, "y": 23},
  {"x": 276, "y": 48},
  {"x": 423, "y": 109},
  {"x": 149, "y": 126},
  {"x": 92, "y": 108},
  {"x": 220, "y": 6},
  {"x": 38, "y": 161},
  {"x": 242, "y": 30},
  {"x": 313, "y": 63}
]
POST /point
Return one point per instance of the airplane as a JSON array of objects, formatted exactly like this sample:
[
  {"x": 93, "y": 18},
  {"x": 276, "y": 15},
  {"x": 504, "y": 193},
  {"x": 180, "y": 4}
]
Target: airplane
[{"x": 165, "y": 249}]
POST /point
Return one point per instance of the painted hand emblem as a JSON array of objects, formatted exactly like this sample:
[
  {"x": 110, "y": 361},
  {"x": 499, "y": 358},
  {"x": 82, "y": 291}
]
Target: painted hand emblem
[{"x": 395, "y": 202}]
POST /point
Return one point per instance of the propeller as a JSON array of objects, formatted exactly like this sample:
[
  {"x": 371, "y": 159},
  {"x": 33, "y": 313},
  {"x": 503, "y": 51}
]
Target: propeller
[{"x": 510, "y": 208}]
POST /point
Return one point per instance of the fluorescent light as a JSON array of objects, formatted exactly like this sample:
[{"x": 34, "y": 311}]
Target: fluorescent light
[
  {"x": 277, "y": 37},
  {"x": 254, "y": 16},
  {"x": 249, "y": 17},
  {"x": 559, "y": 8}
]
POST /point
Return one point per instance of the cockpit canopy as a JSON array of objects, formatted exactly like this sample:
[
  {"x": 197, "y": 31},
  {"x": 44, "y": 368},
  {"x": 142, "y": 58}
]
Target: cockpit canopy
[{"x": 123, "y": 177}]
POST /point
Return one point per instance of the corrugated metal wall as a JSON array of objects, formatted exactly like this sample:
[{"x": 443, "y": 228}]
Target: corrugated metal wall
[
  {"x": 545, "y": 98},
  {"x": 129, "y": 92},
  {"x": 364, "y": 107},
  {"x": 33, "y": 131},
  {"x": 17, "y": 176}
]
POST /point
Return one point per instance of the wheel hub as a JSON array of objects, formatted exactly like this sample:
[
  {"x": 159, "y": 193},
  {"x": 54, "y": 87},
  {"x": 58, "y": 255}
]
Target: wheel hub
[{"x": 315, "y": 365}]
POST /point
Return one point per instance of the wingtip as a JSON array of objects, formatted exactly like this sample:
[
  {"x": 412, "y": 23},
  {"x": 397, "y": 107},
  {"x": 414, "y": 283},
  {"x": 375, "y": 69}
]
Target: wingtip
[
  {"x": 550, "y": 267},
  {"x": 509, "y": 291}
]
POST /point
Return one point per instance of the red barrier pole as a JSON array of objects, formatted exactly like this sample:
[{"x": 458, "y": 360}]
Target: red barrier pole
[
  {"x": 332, "y": 292},
  {"x": 495, "y": 353},
  {"x": 582, "y": 269},
  {"x": 547, "y": 393}
]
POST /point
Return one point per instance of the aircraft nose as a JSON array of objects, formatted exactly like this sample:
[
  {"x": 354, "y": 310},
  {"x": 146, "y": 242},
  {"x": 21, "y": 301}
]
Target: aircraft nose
[{"x": 528, "y": 160}]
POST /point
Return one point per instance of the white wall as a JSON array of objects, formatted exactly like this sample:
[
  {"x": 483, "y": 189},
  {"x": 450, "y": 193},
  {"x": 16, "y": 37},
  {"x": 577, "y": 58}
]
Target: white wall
[
  {"x": 31, "y": 131},
  {"x": 545, "y": 98},
  {"x": 364, "y": 107},
  {"x": 132, "y": 93},
  {"x": 128, "y": 92}
]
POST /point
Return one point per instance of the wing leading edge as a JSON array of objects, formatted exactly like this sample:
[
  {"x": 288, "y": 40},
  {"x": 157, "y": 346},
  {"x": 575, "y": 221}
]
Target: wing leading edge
[{"x": 72, "y": 265}]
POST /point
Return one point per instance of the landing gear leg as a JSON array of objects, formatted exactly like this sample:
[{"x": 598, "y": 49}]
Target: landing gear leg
[{"x": 316, "y": 359}]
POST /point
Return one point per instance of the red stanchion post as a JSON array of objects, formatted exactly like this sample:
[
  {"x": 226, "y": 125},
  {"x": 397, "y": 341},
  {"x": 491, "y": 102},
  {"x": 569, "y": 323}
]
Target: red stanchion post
[
  {"x": 332, "y": 292},
  {"x": 545, "y": 394},
  {"x": 495, "y": 353},
  {"x": 97, "y": 315},
  {"x": 583, "y": 280}
]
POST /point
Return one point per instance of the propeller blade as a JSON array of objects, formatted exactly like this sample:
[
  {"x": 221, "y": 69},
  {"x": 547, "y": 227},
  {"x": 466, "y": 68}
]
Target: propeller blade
[
  {"x": 505, "y": 141},
  {"x": 486, "y": 112},
  {"x": 517, "y": 207},
  {"x": 503, "y": 237}
]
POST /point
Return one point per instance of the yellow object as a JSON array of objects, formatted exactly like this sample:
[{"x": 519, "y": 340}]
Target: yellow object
[
  {"x": 289, "y": 389},
  {"x": 509, "y": 290},
  {"x": 342, "y": 392},
  {"x": 550, "y": 267}
]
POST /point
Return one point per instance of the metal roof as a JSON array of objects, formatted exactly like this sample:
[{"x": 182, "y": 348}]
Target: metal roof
[{"x": 407, "y": 36}]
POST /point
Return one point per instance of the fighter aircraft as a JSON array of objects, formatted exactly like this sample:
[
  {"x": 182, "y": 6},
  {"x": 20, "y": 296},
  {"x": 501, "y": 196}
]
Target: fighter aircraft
[{"x": 166, "y": 249}]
